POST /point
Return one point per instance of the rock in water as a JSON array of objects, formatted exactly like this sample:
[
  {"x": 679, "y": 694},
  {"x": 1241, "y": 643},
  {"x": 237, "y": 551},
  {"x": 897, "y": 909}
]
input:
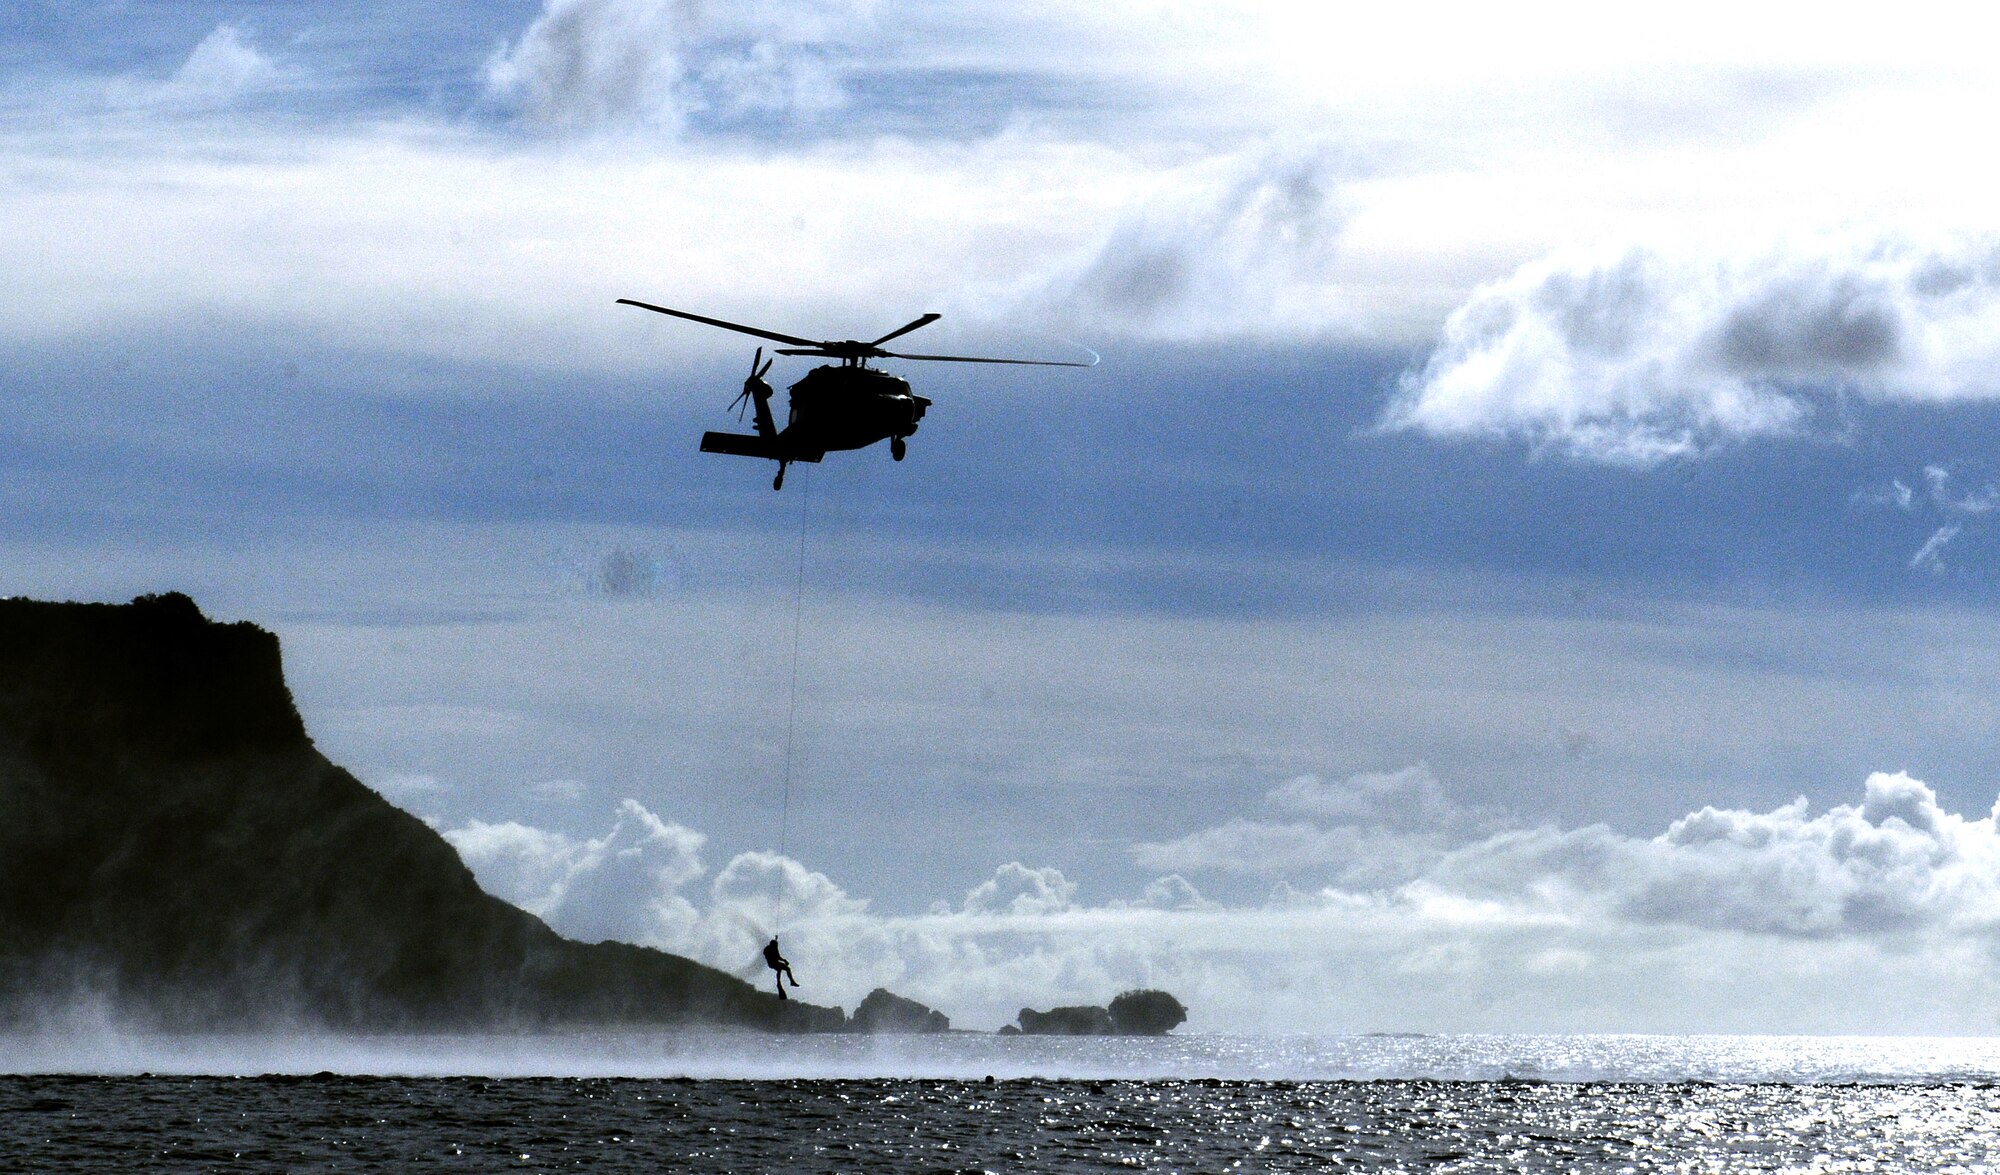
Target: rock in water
[
  {"x": 172, "y": 843},
  {"x": 1134, "y": 1013},
  {"x": 1077, "y": 1021},
  {"x": 884, "y": 1011},
  {"x": 1147, "y": 1012}
]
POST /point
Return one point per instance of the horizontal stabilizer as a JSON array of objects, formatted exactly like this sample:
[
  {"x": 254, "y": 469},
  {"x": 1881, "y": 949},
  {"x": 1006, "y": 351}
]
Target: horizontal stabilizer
[{"x": 738, "y": 444}]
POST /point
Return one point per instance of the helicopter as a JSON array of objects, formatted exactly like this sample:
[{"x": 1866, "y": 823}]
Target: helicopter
[{"x": 848, "y": 405}]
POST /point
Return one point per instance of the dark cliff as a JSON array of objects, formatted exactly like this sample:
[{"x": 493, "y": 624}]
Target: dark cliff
[{"x": 172, "y": 842}]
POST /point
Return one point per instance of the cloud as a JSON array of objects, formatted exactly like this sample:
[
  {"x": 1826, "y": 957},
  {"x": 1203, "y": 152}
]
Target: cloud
[
  {"x": 221, "y": 69},
  {"x": 583, "y": 64},
  {"x": 1369, "y": 831},
  {"x": 774, "y": 889},
  {"x": 409, "y": 787},
  {"x": 1016, "y": 889},
  {"x": 1980, "y": 501},
  {"x": 1930, "y": 556},
  {"x": 221, "y": 73},
  {"x": 1941, "y": 498},
  {"x": 769, "y": 79},
  {"x": 1200, "y": 171},
  {"x": 1645, "y": 355},
  {"x": 598, "y": 65},
  {"x": 1720, "y": 921},
  {"x": 1409, "y": 798},
  {"x": 1896, "y": 863},
  {"x": 1165, "y": 171},
  {"x": 1239, "y": 245},
  {"x": 624, "y": 885},
  {"x": 439, "y": 242},
  {"x": 559, "y": 789},
  {"x": 1172, "y": 892},
  {"x": 1897, "y": 493}
]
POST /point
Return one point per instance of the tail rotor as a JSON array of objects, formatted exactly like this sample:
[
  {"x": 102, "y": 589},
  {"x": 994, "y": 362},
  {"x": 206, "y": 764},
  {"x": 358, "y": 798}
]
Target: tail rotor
[{"x": 742, "y": 401}]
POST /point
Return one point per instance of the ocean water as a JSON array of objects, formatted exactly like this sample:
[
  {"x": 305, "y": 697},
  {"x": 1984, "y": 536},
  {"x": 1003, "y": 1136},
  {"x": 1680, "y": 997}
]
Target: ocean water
[{"x": 724, "y": 1102}]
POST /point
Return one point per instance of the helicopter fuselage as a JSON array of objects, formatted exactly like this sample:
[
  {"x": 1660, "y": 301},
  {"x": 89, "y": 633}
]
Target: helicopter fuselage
[{"x": 847, "y": 406}]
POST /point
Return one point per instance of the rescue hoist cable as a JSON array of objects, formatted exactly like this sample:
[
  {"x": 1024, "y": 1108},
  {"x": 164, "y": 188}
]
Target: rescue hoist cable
[{"x": 792, "y": 709}]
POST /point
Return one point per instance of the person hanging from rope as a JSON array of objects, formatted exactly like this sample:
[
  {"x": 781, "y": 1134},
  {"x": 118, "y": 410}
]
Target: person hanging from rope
[{"x": 781, "y": 969}]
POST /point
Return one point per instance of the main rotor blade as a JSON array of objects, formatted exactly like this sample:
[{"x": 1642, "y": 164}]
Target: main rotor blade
[
  {"x": 774, "y": 336},
  {"x": 975, "y": 359},
  {"x": 926, "y": 320}
]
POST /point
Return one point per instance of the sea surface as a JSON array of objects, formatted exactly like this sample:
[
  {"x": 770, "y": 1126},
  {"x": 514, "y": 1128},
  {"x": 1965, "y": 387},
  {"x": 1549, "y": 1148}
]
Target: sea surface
[{"x": 94, "y": 1101}]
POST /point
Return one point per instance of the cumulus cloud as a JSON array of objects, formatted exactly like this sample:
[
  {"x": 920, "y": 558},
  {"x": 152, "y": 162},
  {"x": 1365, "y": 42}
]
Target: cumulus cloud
[
  {"x": 1646, "y": 355},
  {"x": 773, "y": 889},
  {"x": 624, "y": 885},
  {"x": 586, "y": 63},
  {"x": 1014, "y": 888},
  {"x": 591, "y": 65},
  {"x": 1173, "y": 892},
  {"x": 1896, "y": 870},
  {"x": 1720, "y": 921},
  {"x": 1895, "y": 863}
]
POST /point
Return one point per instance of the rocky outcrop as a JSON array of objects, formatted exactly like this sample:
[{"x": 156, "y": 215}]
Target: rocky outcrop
[
  {"x": 883, "y": 1011},
  {"x": 1146, "y": 1012},
  {"x": 1075, "y": 1021},
  {"x": 173, "y": 844}
]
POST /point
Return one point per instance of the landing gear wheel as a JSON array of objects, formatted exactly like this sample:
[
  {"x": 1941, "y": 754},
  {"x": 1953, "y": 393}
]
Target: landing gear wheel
[
  {"x": 897, "y": 448},
  {"x": 778, "y": 482}
]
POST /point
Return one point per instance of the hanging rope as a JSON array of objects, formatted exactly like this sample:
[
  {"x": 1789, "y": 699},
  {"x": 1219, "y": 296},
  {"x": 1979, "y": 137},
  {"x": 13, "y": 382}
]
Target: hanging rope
[{"x": 792, "y": 709}]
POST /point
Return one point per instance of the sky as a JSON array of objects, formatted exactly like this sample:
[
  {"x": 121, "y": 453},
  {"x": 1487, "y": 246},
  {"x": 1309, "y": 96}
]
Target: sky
[{"x": 1523, "y": 563}]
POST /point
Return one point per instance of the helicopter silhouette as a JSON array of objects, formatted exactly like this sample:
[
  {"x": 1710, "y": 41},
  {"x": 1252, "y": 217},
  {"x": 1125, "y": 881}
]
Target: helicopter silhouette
[{"x": 848, "y": 405}]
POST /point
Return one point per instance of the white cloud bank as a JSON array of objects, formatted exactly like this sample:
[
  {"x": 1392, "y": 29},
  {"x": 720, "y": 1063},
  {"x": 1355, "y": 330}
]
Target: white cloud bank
[
  {"x": 1894, "y": 865},
  {"x": 1728, "y": 920},
  {"x": 1153, "y": 168},
  {"x": 1644, "y": 355}
]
